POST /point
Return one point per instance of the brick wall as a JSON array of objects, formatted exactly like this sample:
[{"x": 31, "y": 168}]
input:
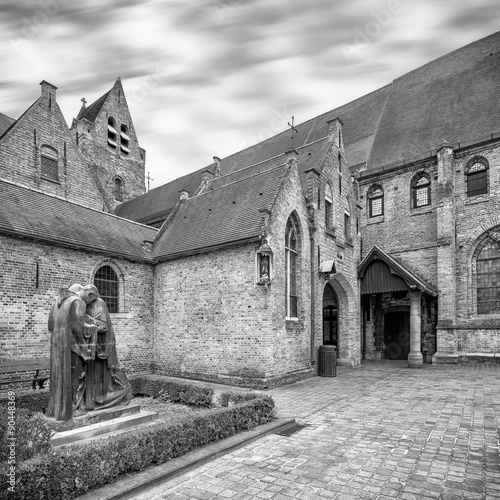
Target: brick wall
[
  {"x": 20, "y": 154},
  {"x": 26, "y": 306},
  {"x": 213, "y": 321}
]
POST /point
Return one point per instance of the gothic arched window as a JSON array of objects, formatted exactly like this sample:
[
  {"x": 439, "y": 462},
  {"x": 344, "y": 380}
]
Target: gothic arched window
[
  {"x": 488, "y": 276},
  {"x": 375, "y": 201},
  {"x": 49, "y": 163},
  {"x": 112, "y": 133},
  {"x": 106, "y": 281},
  {"x": 291, "y": 267},
  {"x": 421, "y": 190},
  {"x": 476, "y": 177}
]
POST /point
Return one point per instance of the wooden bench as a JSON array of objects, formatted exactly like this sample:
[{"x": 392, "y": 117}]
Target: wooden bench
[{"x": 23, "y": 366}]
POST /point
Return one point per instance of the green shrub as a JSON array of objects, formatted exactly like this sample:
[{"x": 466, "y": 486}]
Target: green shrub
[
  {"x": 69, "y": 472},
  {"x": 174, "y": 392},
  {"x": 227, "y": 398},
  {"x": 33, "y": 401}
]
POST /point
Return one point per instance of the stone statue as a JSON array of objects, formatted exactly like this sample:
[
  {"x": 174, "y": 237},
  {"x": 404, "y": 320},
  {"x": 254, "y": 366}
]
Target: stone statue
[
  {"x": 84, "y": 369},
  {"x": 72, "y": 331},
  {"x": 106, "y": 384}
]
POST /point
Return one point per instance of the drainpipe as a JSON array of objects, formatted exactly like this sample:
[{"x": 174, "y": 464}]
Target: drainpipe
[{"x": 313, "y": 302}]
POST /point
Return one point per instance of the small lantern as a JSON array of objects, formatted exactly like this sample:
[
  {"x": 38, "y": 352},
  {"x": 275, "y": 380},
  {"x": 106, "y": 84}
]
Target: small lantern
[{"x": 264, "y": 259}]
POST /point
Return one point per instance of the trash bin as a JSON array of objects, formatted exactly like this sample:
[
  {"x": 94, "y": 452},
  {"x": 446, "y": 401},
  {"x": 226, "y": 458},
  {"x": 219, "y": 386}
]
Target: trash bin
[{"x": 327, "y": 361}]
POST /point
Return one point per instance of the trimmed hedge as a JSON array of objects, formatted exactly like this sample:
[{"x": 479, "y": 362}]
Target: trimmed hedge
[
  {"x": 69, "y": 472},
  {"x": 175, "y": 392}
]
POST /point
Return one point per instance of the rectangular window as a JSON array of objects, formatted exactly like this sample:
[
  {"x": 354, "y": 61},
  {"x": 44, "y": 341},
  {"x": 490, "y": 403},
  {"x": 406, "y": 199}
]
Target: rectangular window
[
  {"x": 328, "y": 214},
  {"x": 477, "y": 183},
  {"x": 421, "y": 196},
  {"x": 376, "y": 206},
  {"x": 347, "y": 227},
  {"x": 49, "y": 168}
]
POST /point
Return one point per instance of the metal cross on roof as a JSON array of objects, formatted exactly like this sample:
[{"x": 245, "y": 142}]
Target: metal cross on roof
[
  {"x": 149, "y": 178},
  {"x": 291, "y": 125},
  {"x": 84, "y": 101}
]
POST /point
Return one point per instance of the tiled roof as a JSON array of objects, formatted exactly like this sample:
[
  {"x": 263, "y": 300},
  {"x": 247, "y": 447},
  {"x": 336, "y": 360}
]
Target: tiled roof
[
  {"x": 90, "y": 112},
  {"x": 5, "y": 123},
  {"x": 229, "y": 213},
  {"x": 454, "y": 97},
  {"x": 32, "y": 214}
]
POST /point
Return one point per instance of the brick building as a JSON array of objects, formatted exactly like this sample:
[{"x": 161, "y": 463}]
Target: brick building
[{"x": 378, "y": 232}]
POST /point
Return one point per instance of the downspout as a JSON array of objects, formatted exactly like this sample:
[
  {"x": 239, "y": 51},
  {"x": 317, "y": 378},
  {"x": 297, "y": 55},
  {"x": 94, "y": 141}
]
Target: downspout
[{"x": 313, "y": 302}]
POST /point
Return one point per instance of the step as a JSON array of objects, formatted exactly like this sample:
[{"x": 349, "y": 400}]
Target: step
[
  {"x": 99, "y": 428},
  {"x": 96, "y": 416}
]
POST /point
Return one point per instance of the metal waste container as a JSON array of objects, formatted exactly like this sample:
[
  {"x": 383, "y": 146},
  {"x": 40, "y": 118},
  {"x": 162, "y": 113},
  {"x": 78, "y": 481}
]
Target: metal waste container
[{"x": 327, "y": 361}]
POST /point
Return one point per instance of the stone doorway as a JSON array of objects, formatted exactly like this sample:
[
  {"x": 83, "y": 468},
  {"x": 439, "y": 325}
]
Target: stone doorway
[{"x": 397, "y": 335}]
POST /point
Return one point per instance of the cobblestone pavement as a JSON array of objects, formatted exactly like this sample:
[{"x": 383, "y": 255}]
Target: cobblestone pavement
[{"x": 379, "y": 431}]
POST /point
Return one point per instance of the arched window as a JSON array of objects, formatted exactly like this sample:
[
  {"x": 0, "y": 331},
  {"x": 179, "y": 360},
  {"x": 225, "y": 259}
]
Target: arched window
[
  {"x": 476, "y": 176},
  {"x": 328, "y": 207},
  {"x": 375, "y": 201},
  {"x": 488, "y": 275},
  {"x": 421, "y": 190},
  {"x": 118, "y": 189},
  {"x": 106, "y": 281},
  {"x": 112, "y": 134},
  {"x": 49, "y": 163},
  {"x": 124, "y": 140},
  {"x": 291, "y": 267}
]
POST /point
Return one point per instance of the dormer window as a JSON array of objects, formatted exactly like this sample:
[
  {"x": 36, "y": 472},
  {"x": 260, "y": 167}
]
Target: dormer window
[
  {"x": 124, "y": 140},
  {"x": 118, "y": 189},
  {"x": 112, "y": 134},
  {"x": 49, "y": 163}
]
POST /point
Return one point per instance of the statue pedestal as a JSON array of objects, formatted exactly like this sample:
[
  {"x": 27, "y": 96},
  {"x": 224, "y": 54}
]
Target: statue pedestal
[{"x": 100, "y": 423}]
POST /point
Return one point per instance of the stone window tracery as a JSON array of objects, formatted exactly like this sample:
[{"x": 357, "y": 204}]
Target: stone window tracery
[{"x": 488, "y": 275}]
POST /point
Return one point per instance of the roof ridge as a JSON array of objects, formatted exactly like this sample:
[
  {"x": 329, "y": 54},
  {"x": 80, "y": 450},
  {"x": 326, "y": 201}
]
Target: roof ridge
[
  {"x": 240, "y": 180},
  {"x": 28, "y": 188}
]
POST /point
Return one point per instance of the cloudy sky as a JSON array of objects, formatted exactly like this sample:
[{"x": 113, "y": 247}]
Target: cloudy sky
[{"x": 210, "y": 77}]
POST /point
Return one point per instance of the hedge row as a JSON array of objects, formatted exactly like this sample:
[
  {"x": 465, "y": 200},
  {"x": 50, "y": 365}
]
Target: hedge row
[
  {"x": 174, "y": 392},
  {"x": 69, "y": 472}
]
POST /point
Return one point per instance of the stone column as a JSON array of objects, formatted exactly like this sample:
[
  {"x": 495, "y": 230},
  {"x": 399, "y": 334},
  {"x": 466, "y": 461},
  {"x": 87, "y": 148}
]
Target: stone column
[{"x": 415, "y": 358}]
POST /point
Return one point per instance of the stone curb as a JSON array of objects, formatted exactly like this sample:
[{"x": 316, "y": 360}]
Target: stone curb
[{"x": 126, "y": 488}]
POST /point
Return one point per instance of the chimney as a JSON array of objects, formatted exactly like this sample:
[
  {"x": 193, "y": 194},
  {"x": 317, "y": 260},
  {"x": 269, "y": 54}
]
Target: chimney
[
  {"x": 183, "y": 194},
  {"x": 48, "y": 89},
  {"x": 217, "y": 166}
]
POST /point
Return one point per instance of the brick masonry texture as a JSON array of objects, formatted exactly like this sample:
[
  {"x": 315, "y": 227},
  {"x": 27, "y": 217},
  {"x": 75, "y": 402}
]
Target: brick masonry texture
[{"x": 26, "y": 306}]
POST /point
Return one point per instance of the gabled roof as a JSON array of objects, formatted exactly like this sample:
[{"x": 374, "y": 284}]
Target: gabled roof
[
  {"x": 401, "y": 276},
  {"x": 227, "y": 214},
  {"x": 5, "y": 123},
  {"x": 90, "y": 112},
  {"x": 454, "y": 97},
  {"x": 32, "y": 214}
]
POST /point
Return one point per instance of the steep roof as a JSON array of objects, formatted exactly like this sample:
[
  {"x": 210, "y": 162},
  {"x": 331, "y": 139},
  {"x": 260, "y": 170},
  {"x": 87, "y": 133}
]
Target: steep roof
[
  {"x": 454, "y": 97},
  {"x": 229, "y": 212},
  {"x": 32, "y": 214},
  {"x": 5, "y": 123},
  {"x": 90, "y": 112}
]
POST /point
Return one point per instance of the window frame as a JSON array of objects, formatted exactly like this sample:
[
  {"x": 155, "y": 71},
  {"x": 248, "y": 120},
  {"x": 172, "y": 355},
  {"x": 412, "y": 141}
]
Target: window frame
[
  {"x": 120, "y": 191},
  {"x": 112, "y": 299},
  {"x": 292, "y": 254},
  {"x": 373, "y": 196},
  {"x": 474, "y": 174},
  {"x": 484, "y": 268},
  {"x": 328, "y": 206},
  {"x": 51, "y": 155},
  {"x": 417, "y": 186}
]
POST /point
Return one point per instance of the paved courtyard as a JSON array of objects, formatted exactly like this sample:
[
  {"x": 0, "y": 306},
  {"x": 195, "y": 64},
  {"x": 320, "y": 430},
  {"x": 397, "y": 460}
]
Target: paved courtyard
[{"x": 379, "y": 431}]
